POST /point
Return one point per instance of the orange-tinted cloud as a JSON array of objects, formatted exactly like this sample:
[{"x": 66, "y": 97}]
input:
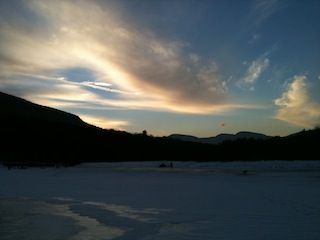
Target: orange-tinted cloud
[
  {"x": 296, "y": 106},
  {"x": 145, "y": 70}
]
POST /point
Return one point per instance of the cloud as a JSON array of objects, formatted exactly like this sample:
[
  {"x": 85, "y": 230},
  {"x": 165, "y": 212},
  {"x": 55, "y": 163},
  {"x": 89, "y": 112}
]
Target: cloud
[
  {"x": 254, "y": 71},
  {"x": 254, "y": 38},
  {"x": 296, "y": 106},
  {"x": 206, "y": 75},
  {"x": 264, "y": 9},
  {"x": 142, "y": 69},
  {"x": 102, "y": 86},
  {"x": 59, "y": 93},
  {"x": 194, "y": 58},
  {"x": 104, "y": 122}
]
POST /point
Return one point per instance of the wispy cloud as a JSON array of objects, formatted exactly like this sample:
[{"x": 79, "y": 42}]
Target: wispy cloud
[
  {"x": 107, "y": 87},
  {"x": 254, "y": 71},
  {"x": 255, "y": 37},
  {"x": 145, "y": 70},
  {"x": 194, "y": 58},
  {"x": 264, "y": 9},
  {"x": 296, "y": 106}
]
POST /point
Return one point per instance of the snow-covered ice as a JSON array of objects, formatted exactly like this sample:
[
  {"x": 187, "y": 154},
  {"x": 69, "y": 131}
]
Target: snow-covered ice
[{"x": 138, "y": 200}]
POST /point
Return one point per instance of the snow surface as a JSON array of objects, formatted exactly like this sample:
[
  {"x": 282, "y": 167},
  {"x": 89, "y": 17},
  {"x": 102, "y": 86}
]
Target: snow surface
[{"x": 138, "y": 200}]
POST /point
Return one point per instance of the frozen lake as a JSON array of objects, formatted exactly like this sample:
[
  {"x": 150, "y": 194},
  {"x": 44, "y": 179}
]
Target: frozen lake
[{"x": 273, "y": 200}]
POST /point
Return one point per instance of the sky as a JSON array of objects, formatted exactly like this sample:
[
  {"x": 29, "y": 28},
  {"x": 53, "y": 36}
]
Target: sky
[{"x": 167, "y": 66}]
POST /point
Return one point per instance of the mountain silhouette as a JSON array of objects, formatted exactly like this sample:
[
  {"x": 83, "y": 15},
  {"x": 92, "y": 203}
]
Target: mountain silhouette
[
  {"x": 13, "y": 108},
  {"x": 220, "y": 138},
  {"x": 35, "y": 135}
]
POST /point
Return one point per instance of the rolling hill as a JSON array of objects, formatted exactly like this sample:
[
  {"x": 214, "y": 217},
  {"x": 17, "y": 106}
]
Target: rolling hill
[
  {"x": 36, "y": 135},
  {"x": 220, "y": 138}
]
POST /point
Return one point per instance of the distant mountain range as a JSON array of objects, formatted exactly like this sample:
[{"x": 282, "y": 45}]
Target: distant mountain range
[
  {"x": 221, "y": 137},
  {"x": 34, "y": 135}
]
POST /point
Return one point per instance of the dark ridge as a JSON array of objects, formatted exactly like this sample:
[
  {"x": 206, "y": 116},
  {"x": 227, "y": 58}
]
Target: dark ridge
[
  {"x": 13, "y": 107},
  {"x": 34, "y": 135},
  {"x": 220, "y": 138}
]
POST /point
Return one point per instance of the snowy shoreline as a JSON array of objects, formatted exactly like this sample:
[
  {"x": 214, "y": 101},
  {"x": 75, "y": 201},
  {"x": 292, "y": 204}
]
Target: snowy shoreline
[{"x": 138, "y": 200}]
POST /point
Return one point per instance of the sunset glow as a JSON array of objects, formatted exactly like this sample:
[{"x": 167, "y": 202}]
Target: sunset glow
[{"x": 117, "y": 64}]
